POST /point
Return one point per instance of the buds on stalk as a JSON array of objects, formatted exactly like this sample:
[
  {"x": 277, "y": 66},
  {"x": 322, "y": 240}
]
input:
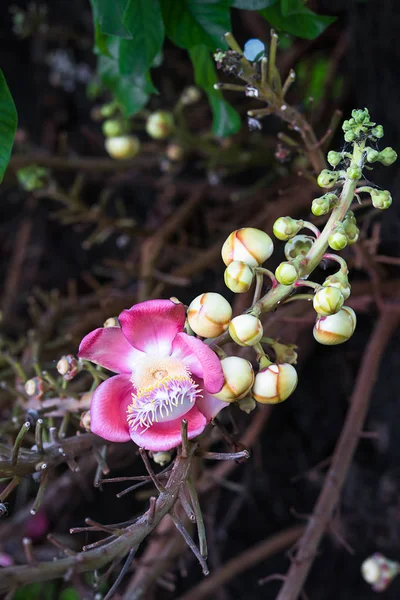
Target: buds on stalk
[
  {"x": 160, "y": 125},
  {"x": 246, "y": 330},
  {"x": 275, "y": 383},
  {"x": 239, "y": 378},
  {"x": 381, "y": 198},
  {"x": 68, "y": 366},
  {"x": 334, "y": 158},
  {"x": 353, "y": 172},
  {"x": 327, "y": 179},
  {"x": 298, "y": 246},
  {"x": 285, "y": 228},
  {"x": 122, "y": 147},
  {"x": 287, "y": 273},
  {"x": 249, "y": 245},
  {"x": 238, "y": 277},
  {"x": 112, "y": 128},
  {"x": 379, "y": 571},
  {"x": 338, "y": 238},
  {"x": 339, "y": 281},
  {"x": 350, "y": 227},
  {"x": 337, "y": 328},
  {"x": 328, "y": 301},
  {"x": 35, "y": 387},
  {"x": 209, "y": 314},
  {"x": 322, "y": 205},
  {"x": 387, "y": 156}
]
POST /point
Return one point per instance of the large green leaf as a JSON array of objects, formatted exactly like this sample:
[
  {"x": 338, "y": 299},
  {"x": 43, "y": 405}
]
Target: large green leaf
[
  {"x": 190, "y": 23},
  {"x": 8, "y": 124},
  {"x": 131, "y": 92},
  {"x": 226, "y": 120},
  {"x": 109, "y": 15},
  {"x": 253, "y": 4},
  {"x": 299, "y": 20},
  {"x": 143, "y": 20}
]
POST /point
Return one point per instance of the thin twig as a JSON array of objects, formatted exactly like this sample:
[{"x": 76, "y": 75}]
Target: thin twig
[
  {"x": 145, "y": 458},
  {"x": 181, "y": 528},
  {"x": 201, "y": 530}
]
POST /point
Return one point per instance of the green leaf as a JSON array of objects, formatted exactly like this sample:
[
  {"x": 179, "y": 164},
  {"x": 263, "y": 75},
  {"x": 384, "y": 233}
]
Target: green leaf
[
  {"x": 252, "y": 4},
  {"x": 100, "y": 40},
  {"x": 8, "y": 124},
  {"x": 131, "y": 92},
  {"x": 226, "y": 120},
  {"x": 190, "y": 23},
  {"x": 69, "y": 593},
  {"x": 303, "y": 23},
  {"x": 143, "y": 20},
  {"x": 109, "y": 15}
]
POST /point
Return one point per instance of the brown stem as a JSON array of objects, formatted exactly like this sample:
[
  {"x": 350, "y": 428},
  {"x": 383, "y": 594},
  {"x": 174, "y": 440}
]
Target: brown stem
[{"x": 345, "y": 448}]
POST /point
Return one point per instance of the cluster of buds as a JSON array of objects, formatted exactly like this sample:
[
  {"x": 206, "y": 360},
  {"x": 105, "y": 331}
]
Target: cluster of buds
[
  {"x": 379, "y": 571},
  {"x": 68, "y": 366}
]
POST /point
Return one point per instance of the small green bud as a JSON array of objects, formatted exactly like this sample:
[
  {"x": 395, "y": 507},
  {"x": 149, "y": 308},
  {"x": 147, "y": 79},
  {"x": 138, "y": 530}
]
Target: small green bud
[
  {"x": 372, "y": 155},
  {"x": 351, "y": 230},
  {"x": 162, "y": 458},
  {"x": 387, "y": 156},
  {"x": 354, "y": 172},
  {"x": 238, "y": 277},
  {"x": 334, "y": 158},
  {"x": 327, "y": 179},
  {"x": 298, "y": 246},
  {"x": 287, "y": 273},
  {"x": 338, "y": 238},
  {"x": 285, "y": 228},
  {"x": 349, "y": 136},
  {"x": 322, "y": 205},
  {"x": 377, "y": 131},
  {"x": 32, "y": 177},
  {"x": 160, "y": 125},
  {"x": 361, "y": 116},
  {"x": 381, "y": 198},
  {"x": 122, "y": 146},
  {"x": 112, "y": 128},
  {"x": 107, "y": 110},
  {"x": 339, "y": 281},
  {"x": 348, "y": 124},
  {"x": 328, "y": 301}
]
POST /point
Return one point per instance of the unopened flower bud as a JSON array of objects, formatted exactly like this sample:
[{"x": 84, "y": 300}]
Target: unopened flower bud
[
  {"x": 372, "y": 155},
  {"x": 160, "y": 125},
  {"x": 360, "y": 116},
  {"x": 387, "y": 156},
  {"x": 68, "y": 367},
  {"x": 381, "y": 198},
  {"x": 238, "y": 277},
  {"x": 354, "y": 172},
  {"x": 327, "y": 179},
  {"x": 175, "y": 153},
  {"x": 299, "y": 245},
  {"x": 338, "y": 238},
  {"x": 239, "y": 377},
  {"x": 379, "y": 571},
  {"x": 340, "y": 282},
  {"x": 162, "y": 458},
  {"x": 322, "y": 205},
  {"x": 107, "y": 110},
  {"x": 112, "y": 128},
  {"x": 287, "y": 273},
  {"x": 337, "y": 328},
  {"x": 275, "y": 383},
  {"x": 328, "y": 301},
  {"x": 190, "y": 95},
  {"x": 352, "y": 232},
  {"x": 249, "y": 245},
  {"x": 349, "y": 136},
  {"x": 377, "y": 132},
  {"x": 35, "y": 387},
  {"x": 85, "y": 420},
  {"x": 334, "y": 158},
  {"x": 111, "y": 322},
  {"x": 246, "y": 330},
  {"x": 285, "y": 228},
  {"x": 123, "y": 146},
  {"x": 209, "y": 314}
]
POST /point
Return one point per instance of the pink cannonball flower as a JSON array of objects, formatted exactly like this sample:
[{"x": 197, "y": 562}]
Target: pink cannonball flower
[{"x": 164, "y": 375}]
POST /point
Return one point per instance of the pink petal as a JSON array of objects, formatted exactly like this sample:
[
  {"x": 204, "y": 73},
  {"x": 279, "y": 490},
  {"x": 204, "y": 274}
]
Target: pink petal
[
  {"x": 200, "y": 360},
  {"x": 108, "y": 408},
  {"x": 108, "y": 347},
  {"x": 151, "y": 326},
  {"x": 165, "y": 436},
  {"x": 209, "y": 405}
]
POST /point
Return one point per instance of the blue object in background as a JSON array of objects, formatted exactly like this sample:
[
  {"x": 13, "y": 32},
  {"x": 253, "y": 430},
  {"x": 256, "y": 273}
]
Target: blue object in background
[{"x": 254, "y": 50}]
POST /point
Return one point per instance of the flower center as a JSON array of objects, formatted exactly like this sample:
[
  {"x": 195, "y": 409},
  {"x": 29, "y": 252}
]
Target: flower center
[{"x": 164, "y": 392}]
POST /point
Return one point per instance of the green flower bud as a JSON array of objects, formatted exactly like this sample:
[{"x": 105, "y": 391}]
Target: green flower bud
[
  {"x": 322, "y": 205},
  {"x": 361, "y": 116},
  {"x": 107, "y": 110},
  {"x": 112, "y": 128},
  {"x": 122, "y": 147},
  {"x": 387, "y": 156},
  {"x": 348, "y": 125},
  {"x": 287, "y": 273},
  {"x": 238, "y": 277},
  {"x": 372, "y": 155},
  {"x": 354, "y": 173},
  {"x": 275, "y": 383},
  {"x": 334, "y": 158},
  {"x": 246, "y": 330},
  {"x": 381, "y": 198},
  {"x": 160, "y": 125},
  {"x": 337, "y": 328},
  {"x": 190, "y": 95},
  {"x": 285, "y": 228},
  {"x": 209, "y": 314},
  {"x": 162, "y": 458},
  {"x": 377, "y": 132},
  {"x": 327, "y": 179},
  {"x": 338, "y": 238},
  {"x": 32, "y": 177},
  {"x": 349, "y": 136},
  {"x": 328, "y": 301},
  {"x": 339, "y": 281},
  {"x": 351, "y": 230},
  {"x": 299, "y": 245},
  {"x": 239, "y": 378}
]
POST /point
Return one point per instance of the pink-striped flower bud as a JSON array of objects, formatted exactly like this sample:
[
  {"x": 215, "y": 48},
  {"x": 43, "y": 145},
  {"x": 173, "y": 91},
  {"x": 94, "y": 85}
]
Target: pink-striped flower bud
[
  {"x": 238, "y": 277},
  {"x": 239, "y": 378},
  {"x": 337, "y": 328},
  {"x": 275, "y": 383},
  {"x": 246, "y": 330},
  {"x": 249, "y": 245},
  {"x": 209, "y": 314}
]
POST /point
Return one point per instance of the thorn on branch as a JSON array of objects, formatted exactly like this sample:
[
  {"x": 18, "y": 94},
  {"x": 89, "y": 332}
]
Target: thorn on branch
[
  {"x": 201, "y": 530},
  {"x": 6, "y": 492},
  {"x": 53, "y": 540},
  {"x": 122, "y": 574},
  {"x": 242, "y": 454},
  {"x": 150, "y": 471},
  {"x": 39, "y": 496},
  {"x": 39, "y": 435},
  {"x": 181, "y": 528},
  {"x": 27, "y": 546},
  {"x": 18, "y": 442},
  {"x": 185, "y": 440},
  {"x": 152, "y": 510},
  {"x": 186, "y": 506}
]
